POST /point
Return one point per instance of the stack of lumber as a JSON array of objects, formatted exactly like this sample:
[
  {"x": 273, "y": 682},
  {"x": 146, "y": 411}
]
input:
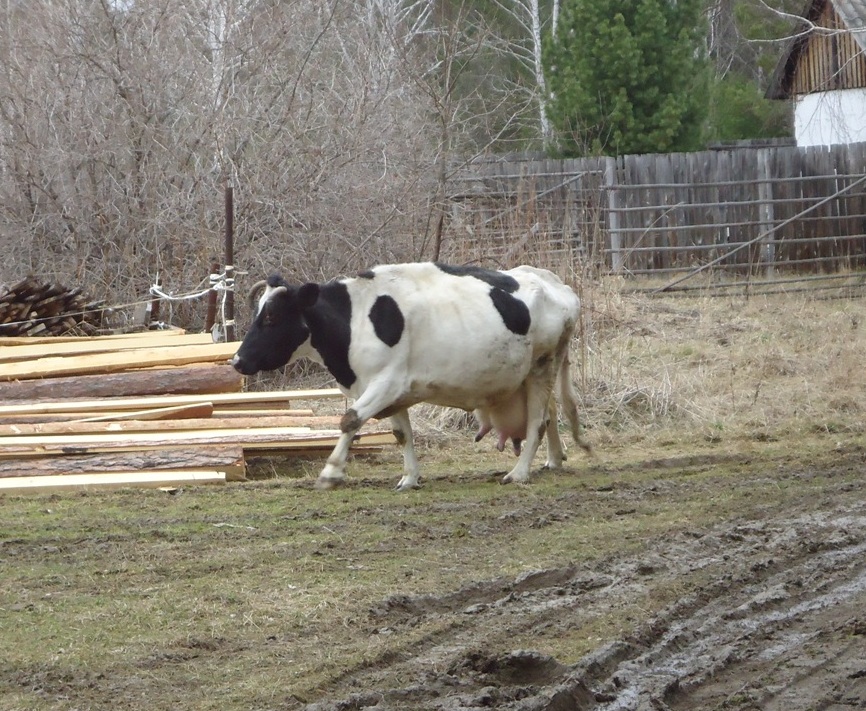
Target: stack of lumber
[
  {"x": 153, "y": 409},
  {"x": 31, "y": 308}
]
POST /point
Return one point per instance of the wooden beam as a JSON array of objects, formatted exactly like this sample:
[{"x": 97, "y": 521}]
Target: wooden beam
[
  {"x": 114, "y": 480},
  {"x": 220, "y": 400},
  {"x": 117, "y": 361},
  {"x": 199, "y": 379}
]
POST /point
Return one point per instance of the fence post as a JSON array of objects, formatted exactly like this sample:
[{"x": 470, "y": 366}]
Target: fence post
[
  {"x": 765, "y": 211},
  {"x": 616, "y": 256}
]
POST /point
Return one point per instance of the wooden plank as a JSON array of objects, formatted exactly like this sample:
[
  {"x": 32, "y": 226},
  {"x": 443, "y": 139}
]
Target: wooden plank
[
  {"x": 107, "y": 416},
  {"x": 99, "y": 345},
  {"x": 227, "y": 458},
  {"x": 114, "y": 480},
  {"x": 250, "y": 439},
  {"x": 32, "y": 340},
  {"x": 158, "y": 415},
  {"x": 222, "y": 412},
  {"x": 221, "y": 400},
  {"x": 97, "y": 425},
  {"x": 114, "y": 362},
  {"x": 196, "y": 379}
]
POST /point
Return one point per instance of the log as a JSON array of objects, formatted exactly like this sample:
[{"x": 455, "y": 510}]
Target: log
[
  {"x": 97, "y": 425},
  {"x": 30, "y": 307},
  {"x": 46, "y": 484},
  {"x": 184, "y": 380},
  {"x": 114, "y": 362},
  {"x": 220, "y": 400},
  {"x": 81, "y": 346},
  {"x": 226, "y": 458}
]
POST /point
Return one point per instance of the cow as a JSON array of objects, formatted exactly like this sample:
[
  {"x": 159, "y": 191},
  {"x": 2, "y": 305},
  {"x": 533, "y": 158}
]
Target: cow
[{"x": 495, "y": 342}]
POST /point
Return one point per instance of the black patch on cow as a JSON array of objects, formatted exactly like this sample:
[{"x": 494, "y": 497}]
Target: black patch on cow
[
  {"x": 367, "y": 274},
  {"x": 387, "y": 319},
  {"x": 329, "y": 321},
  {"x": 496, "y": 279},
  {"x": 515, "y": 314}
]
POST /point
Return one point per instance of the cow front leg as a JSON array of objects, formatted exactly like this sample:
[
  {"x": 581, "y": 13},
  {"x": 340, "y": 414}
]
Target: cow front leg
[
  {"x": 403, "y": 433},
  {"x": 377, "y": 398},
  {"x": 334, "y": 471}
]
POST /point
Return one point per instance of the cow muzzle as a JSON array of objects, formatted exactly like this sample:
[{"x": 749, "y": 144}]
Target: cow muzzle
[{"x": 240, "y": 365}]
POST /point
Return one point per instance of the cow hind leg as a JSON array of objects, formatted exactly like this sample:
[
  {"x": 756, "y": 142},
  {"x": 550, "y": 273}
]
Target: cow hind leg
[
  {"x": 555, "y": 452},
  {"x": 403, "y": 433},
  {"x": 539, "y": 387}
]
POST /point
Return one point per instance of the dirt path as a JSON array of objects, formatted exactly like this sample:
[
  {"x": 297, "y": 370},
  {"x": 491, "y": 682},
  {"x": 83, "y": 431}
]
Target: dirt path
[{"x": 776, "y": 619}]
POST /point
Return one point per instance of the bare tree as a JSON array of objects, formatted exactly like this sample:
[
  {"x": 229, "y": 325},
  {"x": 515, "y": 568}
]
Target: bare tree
[{"x": 338, "y": 123}]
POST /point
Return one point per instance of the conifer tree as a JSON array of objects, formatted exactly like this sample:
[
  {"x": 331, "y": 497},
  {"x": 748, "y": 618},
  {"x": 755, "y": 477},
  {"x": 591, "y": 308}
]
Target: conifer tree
[{"x": 627, "y": 76}]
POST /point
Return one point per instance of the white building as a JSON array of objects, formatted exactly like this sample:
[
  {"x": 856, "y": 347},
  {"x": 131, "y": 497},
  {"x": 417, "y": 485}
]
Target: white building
[{"x": 823, "y": 71}]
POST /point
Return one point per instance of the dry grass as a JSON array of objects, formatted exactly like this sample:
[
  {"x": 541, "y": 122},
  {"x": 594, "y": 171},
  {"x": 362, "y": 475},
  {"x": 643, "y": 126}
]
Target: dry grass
[
  {"x": 676, "y": 369},
  {"x": 663, "y": 372}
]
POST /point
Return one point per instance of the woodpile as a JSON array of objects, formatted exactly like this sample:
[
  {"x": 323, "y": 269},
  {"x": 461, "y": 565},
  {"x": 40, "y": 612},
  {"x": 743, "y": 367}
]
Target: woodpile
[
  {"x": 32, "y": 308},
  {"x": 153, "y": 409}
]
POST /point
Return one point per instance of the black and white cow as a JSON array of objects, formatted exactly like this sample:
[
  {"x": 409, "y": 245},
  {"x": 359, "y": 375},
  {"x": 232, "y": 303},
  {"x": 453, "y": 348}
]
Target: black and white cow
[{"x": 495, "y": 342}]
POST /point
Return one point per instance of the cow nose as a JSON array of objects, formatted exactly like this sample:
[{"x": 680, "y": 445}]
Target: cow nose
[{"x": 236, "y": 362}]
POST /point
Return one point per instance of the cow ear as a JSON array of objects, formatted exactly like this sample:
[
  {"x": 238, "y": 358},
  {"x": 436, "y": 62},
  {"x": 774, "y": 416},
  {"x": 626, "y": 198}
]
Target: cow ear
[{"x": 308, "y": 294}]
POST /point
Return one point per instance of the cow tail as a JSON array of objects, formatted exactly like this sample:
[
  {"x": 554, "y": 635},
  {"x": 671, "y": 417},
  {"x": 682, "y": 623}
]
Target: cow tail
[{"x": 568, "y": 401}]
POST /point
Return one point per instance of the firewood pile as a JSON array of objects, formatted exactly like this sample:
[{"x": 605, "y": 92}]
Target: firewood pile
[
  {"x": 33, "y": 308},
  {"x": 148, "y": 409}
]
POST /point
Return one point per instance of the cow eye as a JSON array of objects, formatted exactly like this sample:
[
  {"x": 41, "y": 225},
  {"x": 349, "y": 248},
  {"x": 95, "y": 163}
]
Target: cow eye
[{"x": 267, "y": 317}]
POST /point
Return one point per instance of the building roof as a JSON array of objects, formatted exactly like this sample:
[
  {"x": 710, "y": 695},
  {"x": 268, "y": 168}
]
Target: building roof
[{"x": 853, "y": 16}]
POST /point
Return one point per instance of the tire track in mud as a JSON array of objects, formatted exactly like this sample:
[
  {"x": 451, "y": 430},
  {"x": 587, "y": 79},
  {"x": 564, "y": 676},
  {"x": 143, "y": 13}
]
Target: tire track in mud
[{"x": 774, "y": 620}]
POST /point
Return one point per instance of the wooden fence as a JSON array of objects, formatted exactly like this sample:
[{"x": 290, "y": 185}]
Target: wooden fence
[{"x": 755, "y": 211}]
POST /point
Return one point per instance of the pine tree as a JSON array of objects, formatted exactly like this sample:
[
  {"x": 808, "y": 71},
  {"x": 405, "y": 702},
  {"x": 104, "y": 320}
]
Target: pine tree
[{"x": 627, "y": 76}]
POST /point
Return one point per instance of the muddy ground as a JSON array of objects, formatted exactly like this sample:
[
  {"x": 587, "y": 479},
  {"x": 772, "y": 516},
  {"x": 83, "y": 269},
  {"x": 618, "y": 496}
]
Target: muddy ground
[
  {"x": 779, "y": 621},
  {"x": 728, "y": 579}
]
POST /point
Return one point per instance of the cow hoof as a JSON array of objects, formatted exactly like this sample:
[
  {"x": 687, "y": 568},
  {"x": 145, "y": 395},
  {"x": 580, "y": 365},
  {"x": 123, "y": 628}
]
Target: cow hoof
[
  {"x": 323, "y": 484},
  {"x": 407, "y": 486},
  {"x": 515, "y": 479}
]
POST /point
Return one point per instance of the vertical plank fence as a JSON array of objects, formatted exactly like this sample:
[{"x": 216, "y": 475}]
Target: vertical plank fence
[{"x": 760, "y": 211}]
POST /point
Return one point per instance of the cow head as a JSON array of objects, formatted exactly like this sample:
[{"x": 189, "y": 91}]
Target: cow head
[{"x": 279, "y": 327}]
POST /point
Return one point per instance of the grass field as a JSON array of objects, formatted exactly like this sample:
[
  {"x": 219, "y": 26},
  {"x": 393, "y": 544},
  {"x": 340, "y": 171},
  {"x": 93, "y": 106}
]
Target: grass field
[{"x": 721, "y": 426}]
